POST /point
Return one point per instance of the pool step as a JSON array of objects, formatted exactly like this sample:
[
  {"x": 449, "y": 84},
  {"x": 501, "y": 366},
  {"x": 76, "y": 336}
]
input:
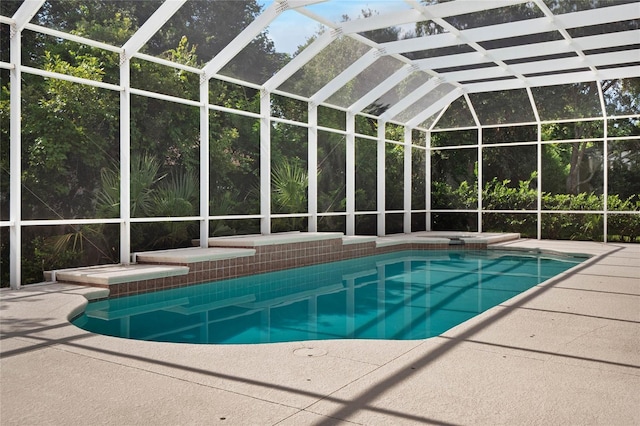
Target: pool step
[
  {"x": 106, "y": 275},
  {"x": 231, "y": 257},
  {"x": 192, "y": 255},
  {"x": 147, "y": 266},
  {"x": 256, "y": 240}
]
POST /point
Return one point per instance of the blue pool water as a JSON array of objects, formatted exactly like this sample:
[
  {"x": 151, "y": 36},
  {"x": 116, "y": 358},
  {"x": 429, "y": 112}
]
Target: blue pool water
[{"x": 404, "y": 295}]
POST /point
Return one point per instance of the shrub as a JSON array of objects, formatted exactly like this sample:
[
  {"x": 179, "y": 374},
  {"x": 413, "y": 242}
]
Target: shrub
[{"x": 503, "y": 195}]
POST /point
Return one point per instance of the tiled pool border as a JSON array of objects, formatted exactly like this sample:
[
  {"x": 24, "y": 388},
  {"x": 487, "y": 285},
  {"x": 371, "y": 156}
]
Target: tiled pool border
[{"x": 274, "y": 257}]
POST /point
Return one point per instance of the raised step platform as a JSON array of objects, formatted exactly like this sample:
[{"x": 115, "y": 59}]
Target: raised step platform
[
  {"x": 151, "y": 265},
  {"x": 358, "y": 239},
  {"x": 117, "y": 274},
  {"x": 273, "y": 239},
  {"x": 477, "y": 239},
  {"x": 192, "y": 255}
]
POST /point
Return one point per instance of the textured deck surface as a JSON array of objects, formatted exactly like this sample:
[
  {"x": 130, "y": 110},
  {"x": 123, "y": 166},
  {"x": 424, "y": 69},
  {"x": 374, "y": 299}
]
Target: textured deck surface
[{"x": 565, "y": 352}]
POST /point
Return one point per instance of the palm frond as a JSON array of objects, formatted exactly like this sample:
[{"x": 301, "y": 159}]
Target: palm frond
[{"x": 290, "y": 182}]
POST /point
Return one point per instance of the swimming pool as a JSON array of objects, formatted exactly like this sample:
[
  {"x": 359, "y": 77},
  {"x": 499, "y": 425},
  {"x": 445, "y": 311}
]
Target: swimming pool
[{"x": 402, "y": 296}]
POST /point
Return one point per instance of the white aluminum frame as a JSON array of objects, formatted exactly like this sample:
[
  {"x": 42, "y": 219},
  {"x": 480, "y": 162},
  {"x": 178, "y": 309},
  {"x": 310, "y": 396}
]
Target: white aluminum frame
[{"x": 532, "y": 73}]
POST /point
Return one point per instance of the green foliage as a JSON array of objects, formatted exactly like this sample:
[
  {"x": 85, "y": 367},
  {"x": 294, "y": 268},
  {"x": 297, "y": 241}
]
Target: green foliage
[
  {"x": 500, "y": 195},
  {"x": 222, "y": 206},
  {"x": 332, "y": 174},
  {"x": 68, "y": 131},
  {"x": 153, "y": 193},
  {"x": 523, "y": 223},
  {"x": 394, "y": 176},
  {"x": 46, "y": 255},
  {"x": 582, "y": 201},
  {"x": 444, "y": 196},
  {"x": 234, "y": 163},
  {"x": 624, "y": 227},
  {"x": 366, "y": 180},
  {"x": 289, "y": 182},
  {"x": 177, "y": 196},
  {"x": 71, "y": 157}
]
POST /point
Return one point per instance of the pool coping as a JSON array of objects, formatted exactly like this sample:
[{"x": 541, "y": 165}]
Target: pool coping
[{"x": 565, "y": 351}]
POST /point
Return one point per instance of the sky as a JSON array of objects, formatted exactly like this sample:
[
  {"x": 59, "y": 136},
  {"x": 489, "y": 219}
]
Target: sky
[{"x": 291, "y": 29}]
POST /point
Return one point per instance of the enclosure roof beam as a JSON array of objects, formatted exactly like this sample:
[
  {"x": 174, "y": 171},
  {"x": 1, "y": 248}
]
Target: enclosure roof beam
[
  {"x": 516, "y": 29},
  {"x": 490, "y": 67},
  {"x": 151, "y": 26},
  {"x": 517, "y": 53},
  {"x": 587, "y": 18},
  {"x": 300, "y": 60},
  {"x": 553, "y": 65},
  {"x": 376, "y": 22},
  {"x": 345, "y": 76},
  {"x": 410, "y": 99},
  {"x": 555, "y": 79},
  {"x": 420, "y": 43},
  {"x": 565, "y": 35},
  {"x": 439, "y": 10},
  {"x": 435, "y": 107},
  {"x": 382, "y": 88},
  {"x": 462, "y": 37},
  {"x": 244, "y": 38},
  {"x": 455, "y": 8},
  {"x": 494, "y": 72},
  {"x": 293, "y": 4},
  {"x": 26, "y": 12}
]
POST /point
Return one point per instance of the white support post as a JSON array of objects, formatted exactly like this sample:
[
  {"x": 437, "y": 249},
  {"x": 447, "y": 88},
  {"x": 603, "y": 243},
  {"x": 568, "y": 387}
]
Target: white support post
[
  {"x": 480, "y": 176},
  {"x": 15, "y": 192},
  {"x": 427, "y": 181},
  {"x": 381, "y": 197},
  {"x": 21, "y": 18},
  {"x": 125, "y": 160},
  {"x": 605, "y": 187},
  {"x": 407, "y": 180},
  {"x": 539, "y": 186},
  {"x": 204, "y": 162},
  {"x": 312, "y": 168},
  {"x": 265, "y": 162},
  {"x": 476, "y": 120},
  {"x": 605, "y": 164},
  {"x": 351, "y": 174},
  {"x": 539, "y": 164}
]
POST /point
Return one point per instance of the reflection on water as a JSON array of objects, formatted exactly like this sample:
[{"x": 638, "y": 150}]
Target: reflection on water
[{"x": 406, "y": 295}]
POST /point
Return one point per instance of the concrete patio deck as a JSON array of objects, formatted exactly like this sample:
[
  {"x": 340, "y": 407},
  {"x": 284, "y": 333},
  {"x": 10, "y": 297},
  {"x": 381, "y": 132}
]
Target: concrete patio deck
[{"x": 565, "y": 352}]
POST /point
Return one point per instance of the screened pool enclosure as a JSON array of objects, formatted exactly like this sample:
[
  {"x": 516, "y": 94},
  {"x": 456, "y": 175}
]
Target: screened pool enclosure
[{"x": 132, "y": 126}]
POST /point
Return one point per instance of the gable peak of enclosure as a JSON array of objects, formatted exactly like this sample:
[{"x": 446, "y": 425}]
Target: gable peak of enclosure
[{"x": 138, "y": 126}]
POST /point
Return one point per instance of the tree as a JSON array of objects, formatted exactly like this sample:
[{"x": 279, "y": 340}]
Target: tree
[{"x": 71, "y": 131}]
